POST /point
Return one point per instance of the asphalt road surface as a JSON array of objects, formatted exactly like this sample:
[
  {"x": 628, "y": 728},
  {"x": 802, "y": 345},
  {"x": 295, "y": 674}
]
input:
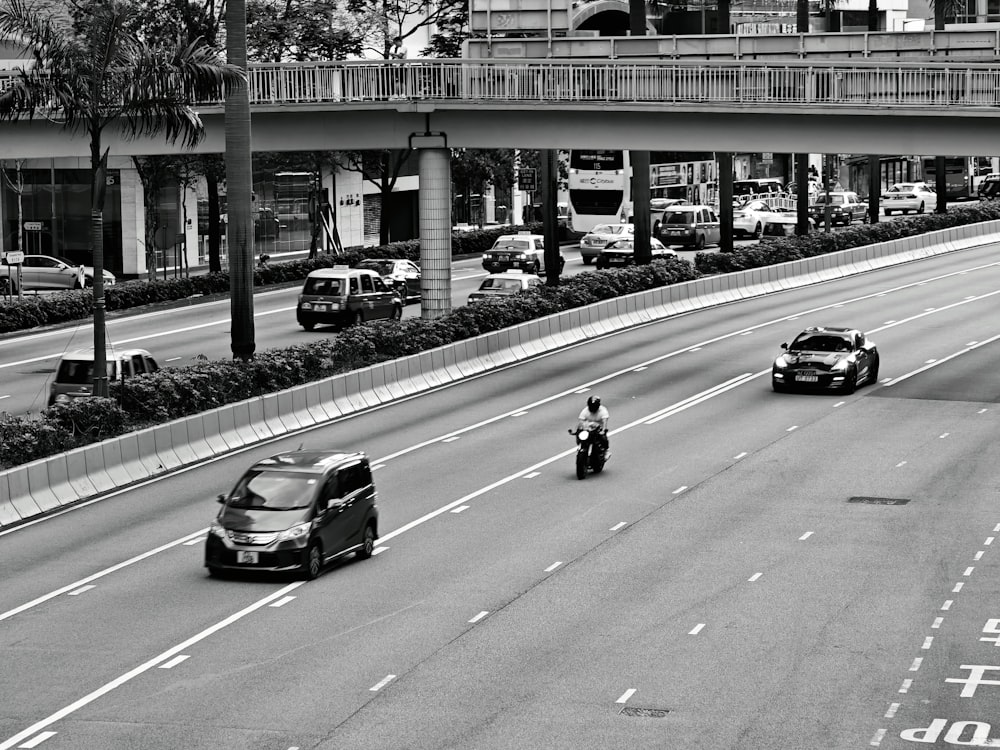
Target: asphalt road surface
[{"x": 752, "y": 570}]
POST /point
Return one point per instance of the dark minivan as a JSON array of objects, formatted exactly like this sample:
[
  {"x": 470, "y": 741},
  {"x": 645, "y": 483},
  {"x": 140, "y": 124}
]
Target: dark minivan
[{"x": 295, "y": 511}]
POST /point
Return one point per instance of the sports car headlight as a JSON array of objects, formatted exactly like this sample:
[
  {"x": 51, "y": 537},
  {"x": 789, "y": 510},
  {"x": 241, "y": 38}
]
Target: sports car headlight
[
  {"x": 295, "y": 532},
  {"x": 840, "y": 365}
]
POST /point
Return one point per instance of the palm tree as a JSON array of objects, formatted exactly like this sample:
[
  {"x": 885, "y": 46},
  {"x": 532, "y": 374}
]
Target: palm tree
[{"x": 97, "y": 71}]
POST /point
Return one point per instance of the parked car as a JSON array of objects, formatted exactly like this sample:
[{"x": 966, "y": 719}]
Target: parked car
[
  {"x": 690, "y": 226},
  {"x": 845, "y": 207},
  {"x": 74, "y": 376},
  {"x": 53, "y": 272},
  {"x": 341, "y": 296},
  {"x": 399, "y": 273},
  {"x": 295, "y": 511},
  {"x": 522, "y": 251},
  {"x": 621, "y": 252},
  {"x": 598, "y": 238},
  {"x": 504, "y": 285},
  {"x": 826, "y": 358},
  {"x": 908, "y": 196}
]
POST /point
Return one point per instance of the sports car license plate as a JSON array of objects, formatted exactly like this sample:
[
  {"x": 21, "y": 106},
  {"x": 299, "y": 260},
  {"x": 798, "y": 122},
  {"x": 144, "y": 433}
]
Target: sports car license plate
[
  {"x": 246, "y": 557},
  {"x": 807, "y": 378}
]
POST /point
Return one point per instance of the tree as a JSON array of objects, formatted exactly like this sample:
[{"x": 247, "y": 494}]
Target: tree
[
  {"x": 381, "y": 169},
  {"x": 296, "y": 30},
  {"x": 95, "y": 72}
]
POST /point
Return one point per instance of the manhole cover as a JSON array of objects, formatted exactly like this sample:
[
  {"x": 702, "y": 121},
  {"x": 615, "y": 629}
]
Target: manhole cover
[
  {"x": 879, "y": 500},
  {"x": 649, "y": 713}
]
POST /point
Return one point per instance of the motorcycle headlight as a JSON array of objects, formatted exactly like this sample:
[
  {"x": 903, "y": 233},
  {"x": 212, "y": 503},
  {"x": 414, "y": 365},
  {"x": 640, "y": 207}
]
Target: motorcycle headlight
[
  {"x": 583, "y": 434},
  {"x": 295, "y": 532},
  {"x": 216, "y": 529}
]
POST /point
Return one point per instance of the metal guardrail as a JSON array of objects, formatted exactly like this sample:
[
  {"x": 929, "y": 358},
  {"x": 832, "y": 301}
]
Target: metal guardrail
[
  {"x": 927, "y": 86},
  {"x": 845, "y": 84}
]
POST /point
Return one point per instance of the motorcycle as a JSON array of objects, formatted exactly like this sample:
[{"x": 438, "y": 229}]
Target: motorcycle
[{"x": 590, "y": 453}]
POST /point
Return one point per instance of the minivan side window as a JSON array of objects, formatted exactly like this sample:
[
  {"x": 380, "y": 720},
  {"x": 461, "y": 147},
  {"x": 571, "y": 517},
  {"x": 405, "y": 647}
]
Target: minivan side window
[
  {"x": 354, "y": 285},
  {"x": 366, "y": 284}
]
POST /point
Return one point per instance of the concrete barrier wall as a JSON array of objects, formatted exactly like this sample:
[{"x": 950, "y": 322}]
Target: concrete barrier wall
[{"x": 45, "y": 485}]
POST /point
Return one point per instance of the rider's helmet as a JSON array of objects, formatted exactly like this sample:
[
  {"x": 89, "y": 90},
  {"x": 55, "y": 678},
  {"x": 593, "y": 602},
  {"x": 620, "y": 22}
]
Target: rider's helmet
[{"x": 593, "y": 403}]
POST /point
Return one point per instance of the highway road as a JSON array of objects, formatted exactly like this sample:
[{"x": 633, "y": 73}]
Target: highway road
[{"x": 752, "y": 570}]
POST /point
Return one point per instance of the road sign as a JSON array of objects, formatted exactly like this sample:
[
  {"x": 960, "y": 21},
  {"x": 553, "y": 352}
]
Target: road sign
[
  {"x": 32, "y": 226},
  {"x": 527, "y": 179},
  {"x": 14, "y": 258}
]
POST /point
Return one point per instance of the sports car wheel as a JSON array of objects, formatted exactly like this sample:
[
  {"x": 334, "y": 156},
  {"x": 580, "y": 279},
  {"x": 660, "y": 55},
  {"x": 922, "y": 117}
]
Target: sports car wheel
[
  {"x": 850, "y": 382},
  {"x": 873, "y": 371}
]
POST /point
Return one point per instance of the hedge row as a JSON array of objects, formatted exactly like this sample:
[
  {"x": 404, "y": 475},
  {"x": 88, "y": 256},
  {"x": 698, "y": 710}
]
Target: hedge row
[
  {"x": 177, "y": 392},
  {"x": 38, "y": 310},
  {"x": 773, "y": 250}
]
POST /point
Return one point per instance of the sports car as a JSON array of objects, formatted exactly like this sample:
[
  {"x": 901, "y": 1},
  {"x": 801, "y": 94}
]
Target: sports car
[{"x": 826, "y": 358}]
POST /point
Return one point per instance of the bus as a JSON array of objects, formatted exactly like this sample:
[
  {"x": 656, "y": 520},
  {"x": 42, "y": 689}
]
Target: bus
[
  {"x": 598, "y": 188},
  {"x": 690, "y": 181},
  {"x": 962, "y": 174}
]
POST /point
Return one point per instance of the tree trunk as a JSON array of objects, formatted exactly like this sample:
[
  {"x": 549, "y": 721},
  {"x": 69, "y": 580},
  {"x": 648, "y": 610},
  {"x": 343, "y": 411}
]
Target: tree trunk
[{"x": 239, "y": 221}]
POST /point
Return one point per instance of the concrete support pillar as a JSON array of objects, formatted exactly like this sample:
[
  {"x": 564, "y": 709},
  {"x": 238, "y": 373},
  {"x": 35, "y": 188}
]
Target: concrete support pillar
[{"x": 435, "y": 232}]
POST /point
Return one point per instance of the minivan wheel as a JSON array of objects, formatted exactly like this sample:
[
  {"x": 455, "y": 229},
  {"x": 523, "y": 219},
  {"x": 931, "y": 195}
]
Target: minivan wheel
[
  {"x": 314, "y": 562},
  {"x": 308, "y": 326},
  {"x": 367, "y": 544},
  {"x": 700, "y": 244}
]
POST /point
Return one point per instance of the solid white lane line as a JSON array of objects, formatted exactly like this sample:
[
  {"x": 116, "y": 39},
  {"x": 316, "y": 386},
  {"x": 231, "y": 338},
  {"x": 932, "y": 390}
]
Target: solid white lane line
[
  {"x": 553, "y": 566},
  {"x": 479, "y": 617},
  {"x": 532, "y": 475},
  {"x": 82, "y": 589},
  {"x": 626, "y": 695},
  {"x": 76, "y": 584},
  {"x": 460, "y": 508},
  {"x": 378, "y": 550},
  {"x": 282, "y": 602},
  {"x": 950, "y": 357},
  {"x": 451, "y": 439},
  {"x": 175, "y": 661},
  {"x": 146, "y": 666},
  {"x": 192, "y": 542},
  {"x": 3, "y": 397},
  {"x": 36, "y": 741},
  {"x": 382, "y": 683},
  {"x": 698, "y": 398}
]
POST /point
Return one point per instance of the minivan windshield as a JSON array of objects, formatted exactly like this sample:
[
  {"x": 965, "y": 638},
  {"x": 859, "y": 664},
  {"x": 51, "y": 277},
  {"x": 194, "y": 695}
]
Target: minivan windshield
[
  {"x": 680, "y": 217},
  {"x": 273, "y": 490}
]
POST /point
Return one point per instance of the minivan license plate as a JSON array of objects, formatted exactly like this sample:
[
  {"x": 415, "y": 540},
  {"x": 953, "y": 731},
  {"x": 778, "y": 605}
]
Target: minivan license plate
[
  {"x": 246, "y": 557},
  {"x": 319, "y": 308}
]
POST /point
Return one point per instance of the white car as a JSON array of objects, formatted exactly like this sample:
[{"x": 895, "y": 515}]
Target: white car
[
  {"x": 53, "y": 272},
  {"x": 758, "y": 217},
  {"x": 620, "y": 253},
  {"x": 598, "y": 238},
  {"x": 504, "y": 285},
  {"x": 908, "y": 196}
]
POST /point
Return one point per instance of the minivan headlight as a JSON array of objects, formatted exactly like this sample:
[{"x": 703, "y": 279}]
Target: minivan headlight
[
  {"x": 216, "y": 529},
  {"x": 295, "y": 532}
]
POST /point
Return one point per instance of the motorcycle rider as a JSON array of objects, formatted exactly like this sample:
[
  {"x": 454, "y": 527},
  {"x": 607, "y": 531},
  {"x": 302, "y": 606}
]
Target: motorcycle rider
[{"x": 594, "y": 412}]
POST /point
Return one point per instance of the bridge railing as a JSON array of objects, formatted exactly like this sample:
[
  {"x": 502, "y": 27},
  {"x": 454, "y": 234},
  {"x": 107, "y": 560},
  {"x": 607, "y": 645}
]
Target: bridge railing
[
  {"x": 862, "y": 83},
  {"x": 875, "y": 84}
]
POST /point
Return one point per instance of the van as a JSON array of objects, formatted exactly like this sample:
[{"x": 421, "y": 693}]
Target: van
[
  {"x": 295, "y": 511},
  {"x": 690, "y": 226},
  {"x": 341, "y": 296},
  {"x": 75, "y": 371}
]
